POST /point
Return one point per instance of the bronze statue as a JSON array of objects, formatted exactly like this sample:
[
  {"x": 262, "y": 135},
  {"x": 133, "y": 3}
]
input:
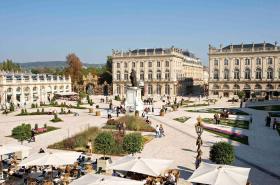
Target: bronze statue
[{"x": 133, "y": 78}]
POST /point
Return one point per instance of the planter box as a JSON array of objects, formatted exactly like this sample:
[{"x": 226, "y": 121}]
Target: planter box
[
  {"x": 161, "y": 113},
  {"x": 103, "y": 163},
  {"x": 98, "y": 113}
]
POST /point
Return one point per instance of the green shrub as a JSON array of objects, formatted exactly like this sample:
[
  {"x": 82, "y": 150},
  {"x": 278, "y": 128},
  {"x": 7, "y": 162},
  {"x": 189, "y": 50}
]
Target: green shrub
[
  {"x": 56, "y": 119},
  {"x": 222, "y": 153},
  {"x": 104, "y": 142},
  {"x": 117, "y": 98},
  {"x": 22, "y": 111},
  {"x": 36, "y": 126},
  {"x": 22, "y": 132},
  {"x": 45, "y": 125},
  {"x": 12, "y": 107},
  {"x": 32, "y": 105},
  {"x": 38, "y": 111},
  {"x": 133, "y": 143},
  {"x": 43, "y": 110}
]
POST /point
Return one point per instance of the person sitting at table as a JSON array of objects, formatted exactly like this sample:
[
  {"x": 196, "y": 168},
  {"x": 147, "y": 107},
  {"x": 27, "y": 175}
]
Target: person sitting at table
[{"x": 171, "y": 180}]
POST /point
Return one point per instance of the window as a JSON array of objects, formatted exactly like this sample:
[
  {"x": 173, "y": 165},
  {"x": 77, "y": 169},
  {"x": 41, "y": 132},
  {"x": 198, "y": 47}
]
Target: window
[
  {"x": 166, "y": 63},
  {"x": 226, "y": 74},
  {"x": 236, "y": 74},
  {"x": 158, "y": 74},
  {"x": 150, "y": 75},
  {"x": 258, "y": 74},
  {"x": 150, "y": 64},
  {"x": 118, "y": 65},
  {"x": 133, "y": 64},
  {"x": 158, "y": 89},
  {"x": 279, "y": 73},
  {"x": 247, "y": 61},
  {"x": 125, "y": 75},
  {"x": 118, "y": 89},
  {"x": 125, "y": 64},
  {"x": 236, "y": 62},
  {"x": 269, "y": 73},
  {"x": 259, "y": 61},
  {"x": 141, "y": 64},
  {"x": 216, "y": 62},
  {"x": 158, "y": 63},
  {"x": 247, "y": 74},
  {"x": 216, "y": 74},
  {"x": 226, "y": 62},
  {"x": 269, "y": 61},
  {"x": 118, "y": 75},
  {"x": 150, "y": 89},
  {"x": 167, "y": 89},
  {"x": 167, "y": 75},
  {"x": 142, "y": 75}
]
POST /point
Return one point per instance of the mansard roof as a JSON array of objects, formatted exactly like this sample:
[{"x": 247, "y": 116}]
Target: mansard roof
[{"x": 257, "y": 45}]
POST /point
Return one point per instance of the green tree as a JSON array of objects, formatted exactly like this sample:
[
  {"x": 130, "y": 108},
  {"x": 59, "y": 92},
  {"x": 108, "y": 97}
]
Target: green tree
[
  {"x": 8, "y": 65},
  {"x": 133, "y": 143},
  {"x": 22, "y": 132},
  {"x": 222, "y": 153},
  {"x": 74, "y": 69},
  {"x": 240, "y": 94},
  {"x": 104, "y": 142}
]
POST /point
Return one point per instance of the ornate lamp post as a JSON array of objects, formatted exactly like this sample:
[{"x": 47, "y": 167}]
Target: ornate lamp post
[{"x": 199, "y": 130}]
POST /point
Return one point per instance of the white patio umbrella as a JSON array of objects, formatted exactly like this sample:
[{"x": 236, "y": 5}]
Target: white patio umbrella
[
  {"x": 152, "y": 167},
  {"x": 94, "y": 179},
  {"x": 53, "y": 159},
  {"x": 12, "y": 148},
  {"x": 215, "y": 174}
]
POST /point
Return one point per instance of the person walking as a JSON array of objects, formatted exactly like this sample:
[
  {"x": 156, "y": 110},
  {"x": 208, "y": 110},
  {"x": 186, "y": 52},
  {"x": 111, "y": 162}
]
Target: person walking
[
  {"x": 274, "y": 124},
  {"x": 161, "y": 130},
  {"x": 157, "y": 131}
]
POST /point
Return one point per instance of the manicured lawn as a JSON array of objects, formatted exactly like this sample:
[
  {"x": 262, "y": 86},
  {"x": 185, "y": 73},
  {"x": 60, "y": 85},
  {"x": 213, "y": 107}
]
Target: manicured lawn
[
  {"x": 267, "y": 108},
  {"x": 243, "y": 140},
  {"x": 132, "y": 123},
  {"x": 233, "y": 123},
  {"x": 182, "y": 119},
  {"x": 219, "y": 110}
]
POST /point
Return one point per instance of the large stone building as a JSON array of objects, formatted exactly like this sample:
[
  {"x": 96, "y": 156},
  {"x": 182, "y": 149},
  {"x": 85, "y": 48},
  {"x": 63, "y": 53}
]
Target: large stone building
[
  {"x": 30, "y": 88},
  {"x": 252, "y": 68},
  {"x": 159, "y": 71}
]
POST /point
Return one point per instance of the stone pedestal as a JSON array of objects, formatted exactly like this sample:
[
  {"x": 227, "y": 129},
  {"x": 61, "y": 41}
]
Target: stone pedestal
[{"x": 133, "y": 100}]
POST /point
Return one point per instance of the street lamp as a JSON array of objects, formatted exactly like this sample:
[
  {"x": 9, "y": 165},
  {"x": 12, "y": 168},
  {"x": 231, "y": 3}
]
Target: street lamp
[{"x": 199, "y": 131}]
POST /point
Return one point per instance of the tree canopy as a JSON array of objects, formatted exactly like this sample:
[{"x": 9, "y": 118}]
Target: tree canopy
[
  {"x": 74, "y": 68},
  {"x": 8, "y": 65}
]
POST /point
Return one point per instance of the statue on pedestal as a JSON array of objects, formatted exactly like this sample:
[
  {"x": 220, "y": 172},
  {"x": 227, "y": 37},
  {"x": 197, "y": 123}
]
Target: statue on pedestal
[{"x": 133, "y": 78}]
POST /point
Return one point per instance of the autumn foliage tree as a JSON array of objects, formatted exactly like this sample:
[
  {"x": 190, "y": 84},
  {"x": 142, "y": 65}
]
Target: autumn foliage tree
[{"x": 74, "y": 68}]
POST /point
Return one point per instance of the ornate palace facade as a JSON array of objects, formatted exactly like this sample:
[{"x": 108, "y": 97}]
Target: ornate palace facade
[
  {"x": 159, "y": 71},
  {"x": 252, "y": 68},
  {"x": 30, "y": 88}
]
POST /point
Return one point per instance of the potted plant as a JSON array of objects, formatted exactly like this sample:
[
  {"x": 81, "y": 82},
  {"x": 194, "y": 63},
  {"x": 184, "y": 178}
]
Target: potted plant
[
  {"x": 103, "y": 143},
  {"x": 137, "y": 113},
  {"x": 161, "y": 113}
]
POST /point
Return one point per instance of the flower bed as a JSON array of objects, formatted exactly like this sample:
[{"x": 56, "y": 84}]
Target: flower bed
[
  {"x": 228, "y": 134},
  {"x": 220, "y": 110}
]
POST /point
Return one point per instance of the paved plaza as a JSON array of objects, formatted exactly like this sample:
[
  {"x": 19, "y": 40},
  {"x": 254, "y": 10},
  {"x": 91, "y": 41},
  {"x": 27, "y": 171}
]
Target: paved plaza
[{"x": 261, "y": 155}]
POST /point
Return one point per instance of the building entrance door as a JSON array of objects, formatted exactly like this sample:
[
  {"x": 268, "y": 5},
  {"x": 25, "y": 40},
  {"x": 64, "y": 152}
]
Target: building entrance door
[{"x": 247, "y": 93}]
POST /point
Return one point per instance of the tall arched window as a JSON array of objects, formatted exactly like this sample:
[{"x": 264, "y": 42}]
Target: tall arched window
[
  {"x": 142, "y": 75},
  {"x": 258, "y": 73},
  {"x": 167, "y": 89},
  {"x": 150, "y": 75},
  {"x": 118, "y": 89},
  {"x": 226, "y": 62},
  {"x": 158, "y": 74},
  {"x": 247, "y": 61},
  {"x": 216, "y": 74},
  {"x": 259, "y": 61},
  {"x": 158, "y": 89},
  {"x": 236, "y": 61},
  {"x": 167, "y": 75},
  {"x": 125, "y": 75},
  {"x": 118, "y": 75},
  {"x": 247, "y": 73},
  {"x": 150, "y": 89},
  {"x": 269, "y": 73},
  {"x": 226, "y": 74},
  {"x": 236, "y": 74},
  {"x": 125, "y": 64},
  {"x": 269, "y": 61}
]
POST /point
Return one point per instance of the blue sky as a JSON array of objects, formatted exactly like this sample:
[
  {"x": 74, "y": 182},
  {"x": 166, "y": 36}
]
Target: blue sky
[{"x": 41, "y": 30}]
